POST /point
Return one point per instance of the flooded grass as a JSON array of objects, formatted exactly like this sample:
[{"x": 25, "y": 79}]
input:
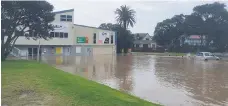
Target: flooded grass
[{"x": 31, "y": 83}]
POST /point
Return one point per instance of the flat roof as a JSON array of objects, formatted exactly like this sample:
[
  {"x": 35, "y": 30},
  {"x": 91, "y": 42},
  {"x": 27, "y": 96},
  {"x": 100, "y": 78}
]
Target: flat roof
[
  {"x": 92, "y": 27},
  {"x": 63, "y": 11}
]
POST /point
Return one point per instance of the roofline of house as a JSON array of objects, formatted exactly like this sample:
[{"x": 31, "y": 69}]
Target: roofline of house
[
  {"x": 63, "y": 11},
  {"x": 141, "y": 33}
]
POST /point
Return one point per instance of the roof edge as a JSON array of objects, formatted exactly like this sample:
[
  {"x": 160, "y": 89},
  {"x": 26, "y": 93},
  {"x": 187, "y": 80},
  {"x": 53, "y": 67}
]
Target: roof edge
[
  {"x": 92, "y": 27},
  {"x": 63, "y": 11}
]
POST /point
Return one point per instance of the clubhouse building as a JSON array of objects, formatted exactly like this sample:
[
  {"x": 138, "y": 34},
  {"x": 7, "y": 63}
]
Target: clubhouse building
[{"x": 70, "y": 39}]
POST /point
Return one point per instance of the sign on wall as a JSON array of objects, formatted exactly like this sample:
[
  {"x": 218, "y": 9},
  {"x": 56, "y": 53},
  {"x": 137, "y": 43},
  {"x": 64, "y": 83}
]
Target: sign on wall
[
  {"x": 82, "y": 39},
  {"x": 60, "y": 27},
  {"x": 104, "y": 37}
]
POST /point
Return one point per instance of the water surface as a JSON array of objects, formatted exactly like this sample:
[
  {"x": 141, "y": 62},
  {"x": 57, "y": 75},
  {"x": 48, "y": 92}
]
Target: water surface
[{"x": 170, "y": 81}]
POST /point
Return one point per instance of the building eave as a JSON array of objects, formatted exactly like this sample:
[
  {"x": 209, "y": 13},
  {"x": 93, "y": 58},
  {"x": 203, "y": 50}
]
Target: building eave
[
  {"x": 63, "y": 11},
  {"x": 93, "y": 27}
]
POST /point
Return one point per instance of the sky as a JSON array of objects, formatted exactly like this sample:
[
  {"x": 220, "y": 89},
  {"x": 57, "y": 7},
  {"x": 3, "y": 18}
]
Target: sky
[{"x": 148, "y": 12}]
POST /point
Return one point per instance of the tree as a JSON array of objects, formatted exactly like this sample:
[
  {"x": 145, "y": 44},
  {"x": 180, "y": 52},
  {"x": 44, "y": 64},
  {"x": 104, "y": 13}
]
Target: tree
[
  {"x": 24, "y": 18},
  {"x": 210, "y": 20},
  {"x": 125, "y": 16},
  {"x": 215, "y": 17},
  {"x": 168, "y": 32}
]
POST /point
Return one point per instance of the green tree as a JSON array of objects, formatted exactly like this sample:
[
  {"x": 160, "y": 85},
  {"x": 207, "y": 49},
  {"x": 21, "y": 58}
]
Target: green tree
[
  {"x": 24, "y": 18},
  {"x": 210, "y": 20},
  {"x": 168, "y": 32},
  {"x": 125, "y": 16},
  {"x": 215, "y": 23}
]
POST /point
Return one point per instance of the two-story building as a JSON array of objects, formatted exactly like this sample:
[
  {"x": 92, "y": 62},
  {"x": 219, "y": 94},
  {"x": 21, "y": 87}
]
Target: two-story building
[
  {"x": 143, "y": 42},
  {"x": 70, "y": 39}
]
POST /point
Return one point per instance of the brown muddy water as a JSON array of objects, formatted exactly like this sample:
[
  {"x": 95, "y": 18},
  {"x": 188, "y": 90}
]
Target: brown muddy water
[{"x": 170, "y": 81}]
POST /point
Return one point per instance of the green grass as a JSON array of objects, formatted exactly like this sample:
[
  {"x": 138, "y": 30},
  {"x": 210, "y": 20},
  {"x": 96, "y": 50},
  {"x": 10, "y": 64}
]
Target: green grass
[{"x": 32, "y": 83}]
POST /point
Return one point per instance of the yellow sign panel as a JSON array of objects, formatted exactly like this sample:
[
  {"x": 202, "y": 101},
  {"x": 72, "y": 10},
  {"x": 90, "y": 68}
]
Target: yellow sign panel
[{"x": 58, "y": 50}]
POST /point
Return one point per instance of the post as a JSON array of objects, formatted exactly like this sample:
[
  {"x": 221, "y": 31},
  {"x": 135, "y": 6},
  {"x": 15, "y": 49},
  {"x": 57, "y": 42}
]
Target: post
[{"x": 38, "y": 54}]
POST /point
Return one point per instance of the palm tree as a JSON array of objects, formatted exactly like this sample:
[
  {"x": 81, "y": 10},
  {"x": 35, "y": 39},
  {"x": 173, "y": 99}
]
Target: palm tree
[{"x": 125, "y": 16}]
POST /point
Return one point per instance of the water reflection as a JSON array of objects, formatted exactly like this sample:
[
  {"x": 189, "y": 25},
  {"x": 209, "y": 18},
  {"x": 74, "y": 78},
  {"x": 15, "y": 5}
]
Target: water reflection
[{"x": 165, "y": 80}]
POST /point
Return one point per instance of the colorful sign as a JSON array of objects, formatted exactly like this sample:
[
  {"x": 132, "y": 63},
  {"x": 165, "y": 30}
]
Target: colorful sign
[
  {"x": 103, "y": 37},
  {"x": 82, "y": 39}
]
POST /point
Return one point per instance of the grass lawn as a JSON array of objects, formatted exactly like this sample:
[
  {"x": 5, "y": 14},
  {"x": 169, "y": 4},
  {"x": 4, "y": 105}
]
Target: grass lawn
[{"x": 31, "y": 83}]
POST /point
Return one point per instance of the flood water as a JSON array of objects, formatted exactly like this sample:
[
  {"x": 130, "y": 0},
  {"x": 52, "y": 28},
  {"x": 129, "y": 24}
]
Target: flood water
[{"x": 170, "y": 81}]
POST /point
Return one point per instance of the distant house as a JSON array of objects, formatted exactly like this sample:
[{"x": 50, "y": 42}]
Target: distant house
[
  {"x": 143, "y": 42},
  {"x": 193, "y": 40}
]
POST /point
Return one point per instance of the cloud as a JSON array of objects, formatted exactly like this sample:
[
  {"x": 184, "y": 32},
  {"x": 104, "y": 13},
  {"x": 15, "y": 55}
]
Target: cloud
[{"x": 148, "y": 13}]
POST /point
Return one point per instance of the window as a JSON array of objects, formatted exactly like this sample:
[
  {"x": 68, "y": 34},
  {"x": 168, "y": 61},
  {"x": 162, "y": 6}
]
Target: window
[
  {"x": 52, "y": 34},
  {"x": 69, "y": 18},
  {"x": 94, "y": 38},
  {"x": 137, "y": 45},
  {"x": 78, "y": 49},
  {"x": 65, "y": 35},
  {"x": 56, "y": 34},
  {"x": 147, "y": 39},
  {"x": 111, "y": 39},
  {"x": 153, "y": 46},
  {"x": 61, "y": 34},
  {"x": 63, "y": 18},
  {"x": 66, "y": 18}
]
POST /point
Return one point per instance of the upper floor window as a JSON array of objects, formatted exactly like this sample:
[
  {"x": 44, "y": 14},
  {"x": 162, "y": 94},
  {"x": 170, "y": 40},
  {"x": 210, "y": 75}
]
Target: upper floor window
[
  {"x": 94, "y": 38},
  {"x": 66, "y": 18},
  {"x": 111, "y": 39},
  {"x": 59, "y": 34}
]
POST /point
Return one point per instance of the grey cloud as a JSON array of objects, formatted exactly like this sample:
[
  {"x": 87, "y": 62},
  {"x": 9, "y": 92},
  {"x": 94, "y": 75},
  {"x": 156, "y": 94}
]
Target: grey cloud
[{"x": 148, "y": 13}]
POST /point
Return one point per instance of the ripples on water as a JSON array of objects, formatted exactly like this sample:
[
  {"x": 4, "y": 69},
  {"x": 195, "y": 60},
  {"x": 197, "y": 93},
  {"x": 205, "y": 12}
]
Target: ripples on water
[{"x": 171, "y": 81}]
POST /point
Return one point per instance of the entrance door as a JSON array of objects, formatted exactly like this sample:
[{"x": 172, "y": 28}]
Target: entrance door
[
  {"x": 30, "y": 52},
  {"x": 33, "y": 52},
  {"x": 89, "y": 51},
  {"x": 58, "y": 50}
]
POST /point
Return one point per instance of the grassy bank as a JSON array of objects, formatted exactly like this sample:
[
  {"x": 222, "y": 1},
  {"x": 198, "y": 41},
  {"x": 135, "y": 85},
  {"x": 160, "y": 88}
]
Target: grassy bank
[{"x": 32, "y": 83}]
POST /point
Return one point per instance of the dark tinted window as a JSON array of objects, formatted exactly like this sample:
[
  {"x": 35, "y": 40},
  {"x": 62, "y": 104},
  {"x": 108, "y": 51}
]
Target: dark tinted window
[
  {"x": 52, "y": 34},
  {"x": 65, "y": 35},
  {"x": 61, "y": 34},
  {"x": 69, "y": 16},
  {"x": 69, "y": 20},
  {"x": 111, "y": 39},
  {"x": 94, "y": 38},
  {"x": 56, "y": 34},
  {"x": 63, "y": 18}
]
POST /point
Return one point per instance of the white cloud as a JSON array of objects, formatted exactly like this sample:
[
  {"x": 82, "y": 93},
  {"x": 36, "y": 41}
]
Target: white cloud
[{"x": 148, "y": 13}]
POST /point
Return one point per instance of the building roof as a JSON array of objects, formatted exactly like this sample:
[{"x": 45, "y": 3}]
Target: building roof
[
  {"x": 63, "y": 11},
  {"x": 196, "y": 37},
  {"x": 140, "y": 36},
  {"x": 91, "y": 27}
]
